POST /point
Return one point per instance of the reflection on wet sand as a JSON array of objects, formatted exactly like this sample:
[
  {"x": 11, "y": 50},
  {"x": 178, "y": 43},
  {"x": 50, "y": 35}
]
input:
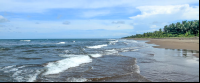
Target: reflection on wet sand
[
  {"x": 184, "y": 52},
  {"x": 167, "y": 65}
]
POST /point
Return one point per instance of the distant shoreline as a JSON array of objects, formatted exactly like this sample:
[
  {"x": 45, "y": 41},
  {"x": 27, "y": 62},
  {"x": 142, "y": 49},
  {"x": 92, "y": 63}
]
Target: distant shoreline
[{"x": 174, "y": 43}]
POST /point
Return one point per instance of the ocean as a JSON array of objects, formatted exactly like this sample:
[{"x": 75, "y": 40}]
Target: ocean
[{"x": 99, "y": 60}]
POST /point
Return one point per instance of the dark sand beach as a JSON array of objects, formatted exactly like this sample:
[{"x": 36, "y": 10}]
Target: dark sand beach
[{"x": 174, "y": 43}]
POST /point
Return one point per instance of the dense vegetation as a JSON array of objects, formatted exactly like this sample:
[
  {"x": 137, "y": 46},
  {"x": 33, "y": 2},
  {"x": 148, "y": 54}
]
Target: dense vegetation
[{"x": 184, "y": 29}]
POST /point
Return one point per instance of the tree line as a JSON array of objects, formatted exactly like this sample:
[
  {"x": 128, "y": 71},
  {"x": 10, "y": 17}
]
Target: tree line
[{"x": 184, "y": 29}]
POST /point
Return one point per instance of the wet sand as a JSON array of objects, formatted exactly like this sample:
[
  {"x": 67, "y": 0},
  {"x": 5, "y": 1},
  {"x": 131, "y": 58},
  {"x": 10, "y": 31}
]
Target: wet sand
[{"x": 174, "y": 43}]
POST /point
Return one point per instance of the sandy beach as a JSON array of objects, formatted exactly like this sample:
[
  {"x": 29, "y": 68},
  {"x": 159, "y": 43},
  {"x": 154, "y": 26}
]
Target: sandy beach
[{"x": 174, "y": 43}]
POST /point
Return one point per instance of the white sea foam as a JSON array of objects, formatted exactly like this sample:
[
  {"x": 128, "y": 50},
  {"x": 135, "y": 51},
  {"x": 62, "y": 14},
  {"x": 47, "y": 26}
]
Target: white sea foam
[
  {"x": 72, "y": 79},
  {"x": 21, "y": 67},
  {"x": 135, "y": 50},
  {"x": 133, "y": 41},
  {"x": 9, "y": 67},
  {"x": 113, "y": 42},
  {"x": 95, "y": 55},
  {"x": 69, "y": 55},
  {"x": 33, "y": 77},
  {"x": 126, "y": 43},
  {"x": 21, "y": 75},
  {"x": 137, "y": 68},
  {"x": 129, "y": 41},
  {"x": 26, "y": 40},
  {"x": 26, "y": 75},
  {"x": 61, "y": 43},
  {"x": 110, "y": 52},
  {"x": 18, "y": 77},
  {"x": 128, "y": 49},
  {"x": 97, "y": 46},
  {"x": 13, "y": 69},
  {"x": 83, "y": 49},
  {"x": 125, "y": 50},
  {"x": 111, "y": 39},
  {"x": 62, "y": 65},
  {"x": 67, "y": 51},
  {"x": 17, "y": 73}
]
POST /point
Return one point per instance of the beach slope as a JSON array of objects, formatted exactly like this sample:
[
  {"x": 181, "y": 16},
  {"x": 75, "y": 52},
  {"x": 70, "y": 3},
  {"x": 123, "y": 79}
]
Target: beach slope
[{"x": 174, "y": 43}]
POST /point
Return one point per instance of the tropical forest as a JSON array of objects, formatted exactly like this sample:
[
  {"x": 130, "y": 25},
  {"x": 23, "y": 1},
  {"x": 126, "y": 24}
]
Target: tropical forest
[{"x": 184, "y": 29}]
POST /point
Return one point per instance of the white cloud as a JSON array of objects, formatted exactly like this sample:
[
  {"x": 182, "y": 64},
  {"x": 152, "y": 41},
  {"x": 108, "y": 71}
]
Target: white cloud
[
  {"x": 154, "y": 17},
  {"x": 1, "y": 25},
  {"x": 191, "y": 13},
  {"x": 66, "y": 22},
  {"x": 178, "y": 12},
  {"x": 121, "y": 34},
  {"x": 40, "y": 6},
  {"x": 55, "y": 26},
  {"x": 160, "y": 11},
  {"x": 37, "y": 23},
  {"x": 76, "y": 29},
  {"x": 153, "y": 26},
  {"x": 118, "y": 22},
  {"x": 2, "y": 19},
  {"x": 89, "y": 14},
  {"x": 97, "y": 24}
]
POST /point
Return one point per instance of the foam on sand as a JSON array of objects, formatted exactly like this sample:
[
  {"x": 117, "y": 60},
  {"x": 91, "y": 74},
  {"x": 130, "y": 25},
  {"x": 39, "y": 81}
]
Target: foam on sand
[
  {"x": 136, "y": 67},
  {"x": 72, "y": 79},
  {"x": 62, "y": 65},
  {"x": 97, "y": 46}
]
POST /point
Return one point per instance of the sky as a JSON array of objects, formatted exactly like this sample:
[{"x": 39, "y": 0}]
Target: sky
[{"x": 41, "y": 19}]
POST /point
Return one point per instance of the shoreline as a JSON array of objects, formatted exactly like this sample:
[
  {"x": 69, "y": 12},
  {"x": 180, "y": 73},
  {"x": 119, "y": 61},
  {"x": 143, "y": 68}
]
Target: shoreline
[{"x": 174, "y": 43}]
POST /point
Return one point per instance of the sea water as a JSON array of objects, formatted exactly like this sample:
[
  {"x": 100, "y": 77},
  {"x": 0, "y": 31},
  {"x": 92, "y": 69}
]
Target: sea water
[{"x": 86, "y": 60}]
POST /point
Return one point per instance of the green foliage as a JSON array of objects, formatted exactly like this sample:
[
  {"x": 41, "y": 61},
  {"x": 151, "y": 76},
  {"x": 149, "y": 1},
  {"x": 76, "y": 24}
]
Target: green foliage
[
  {"x": 187, "y": 34},
  {"x": 184, "y": 29}
]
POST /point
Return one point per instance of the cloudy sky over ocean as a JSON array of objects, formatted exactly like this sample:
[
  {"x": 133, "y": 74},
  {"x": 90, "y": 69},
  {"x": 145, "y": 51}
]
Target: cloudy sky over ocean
[{"x": 90, "y": 18}]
